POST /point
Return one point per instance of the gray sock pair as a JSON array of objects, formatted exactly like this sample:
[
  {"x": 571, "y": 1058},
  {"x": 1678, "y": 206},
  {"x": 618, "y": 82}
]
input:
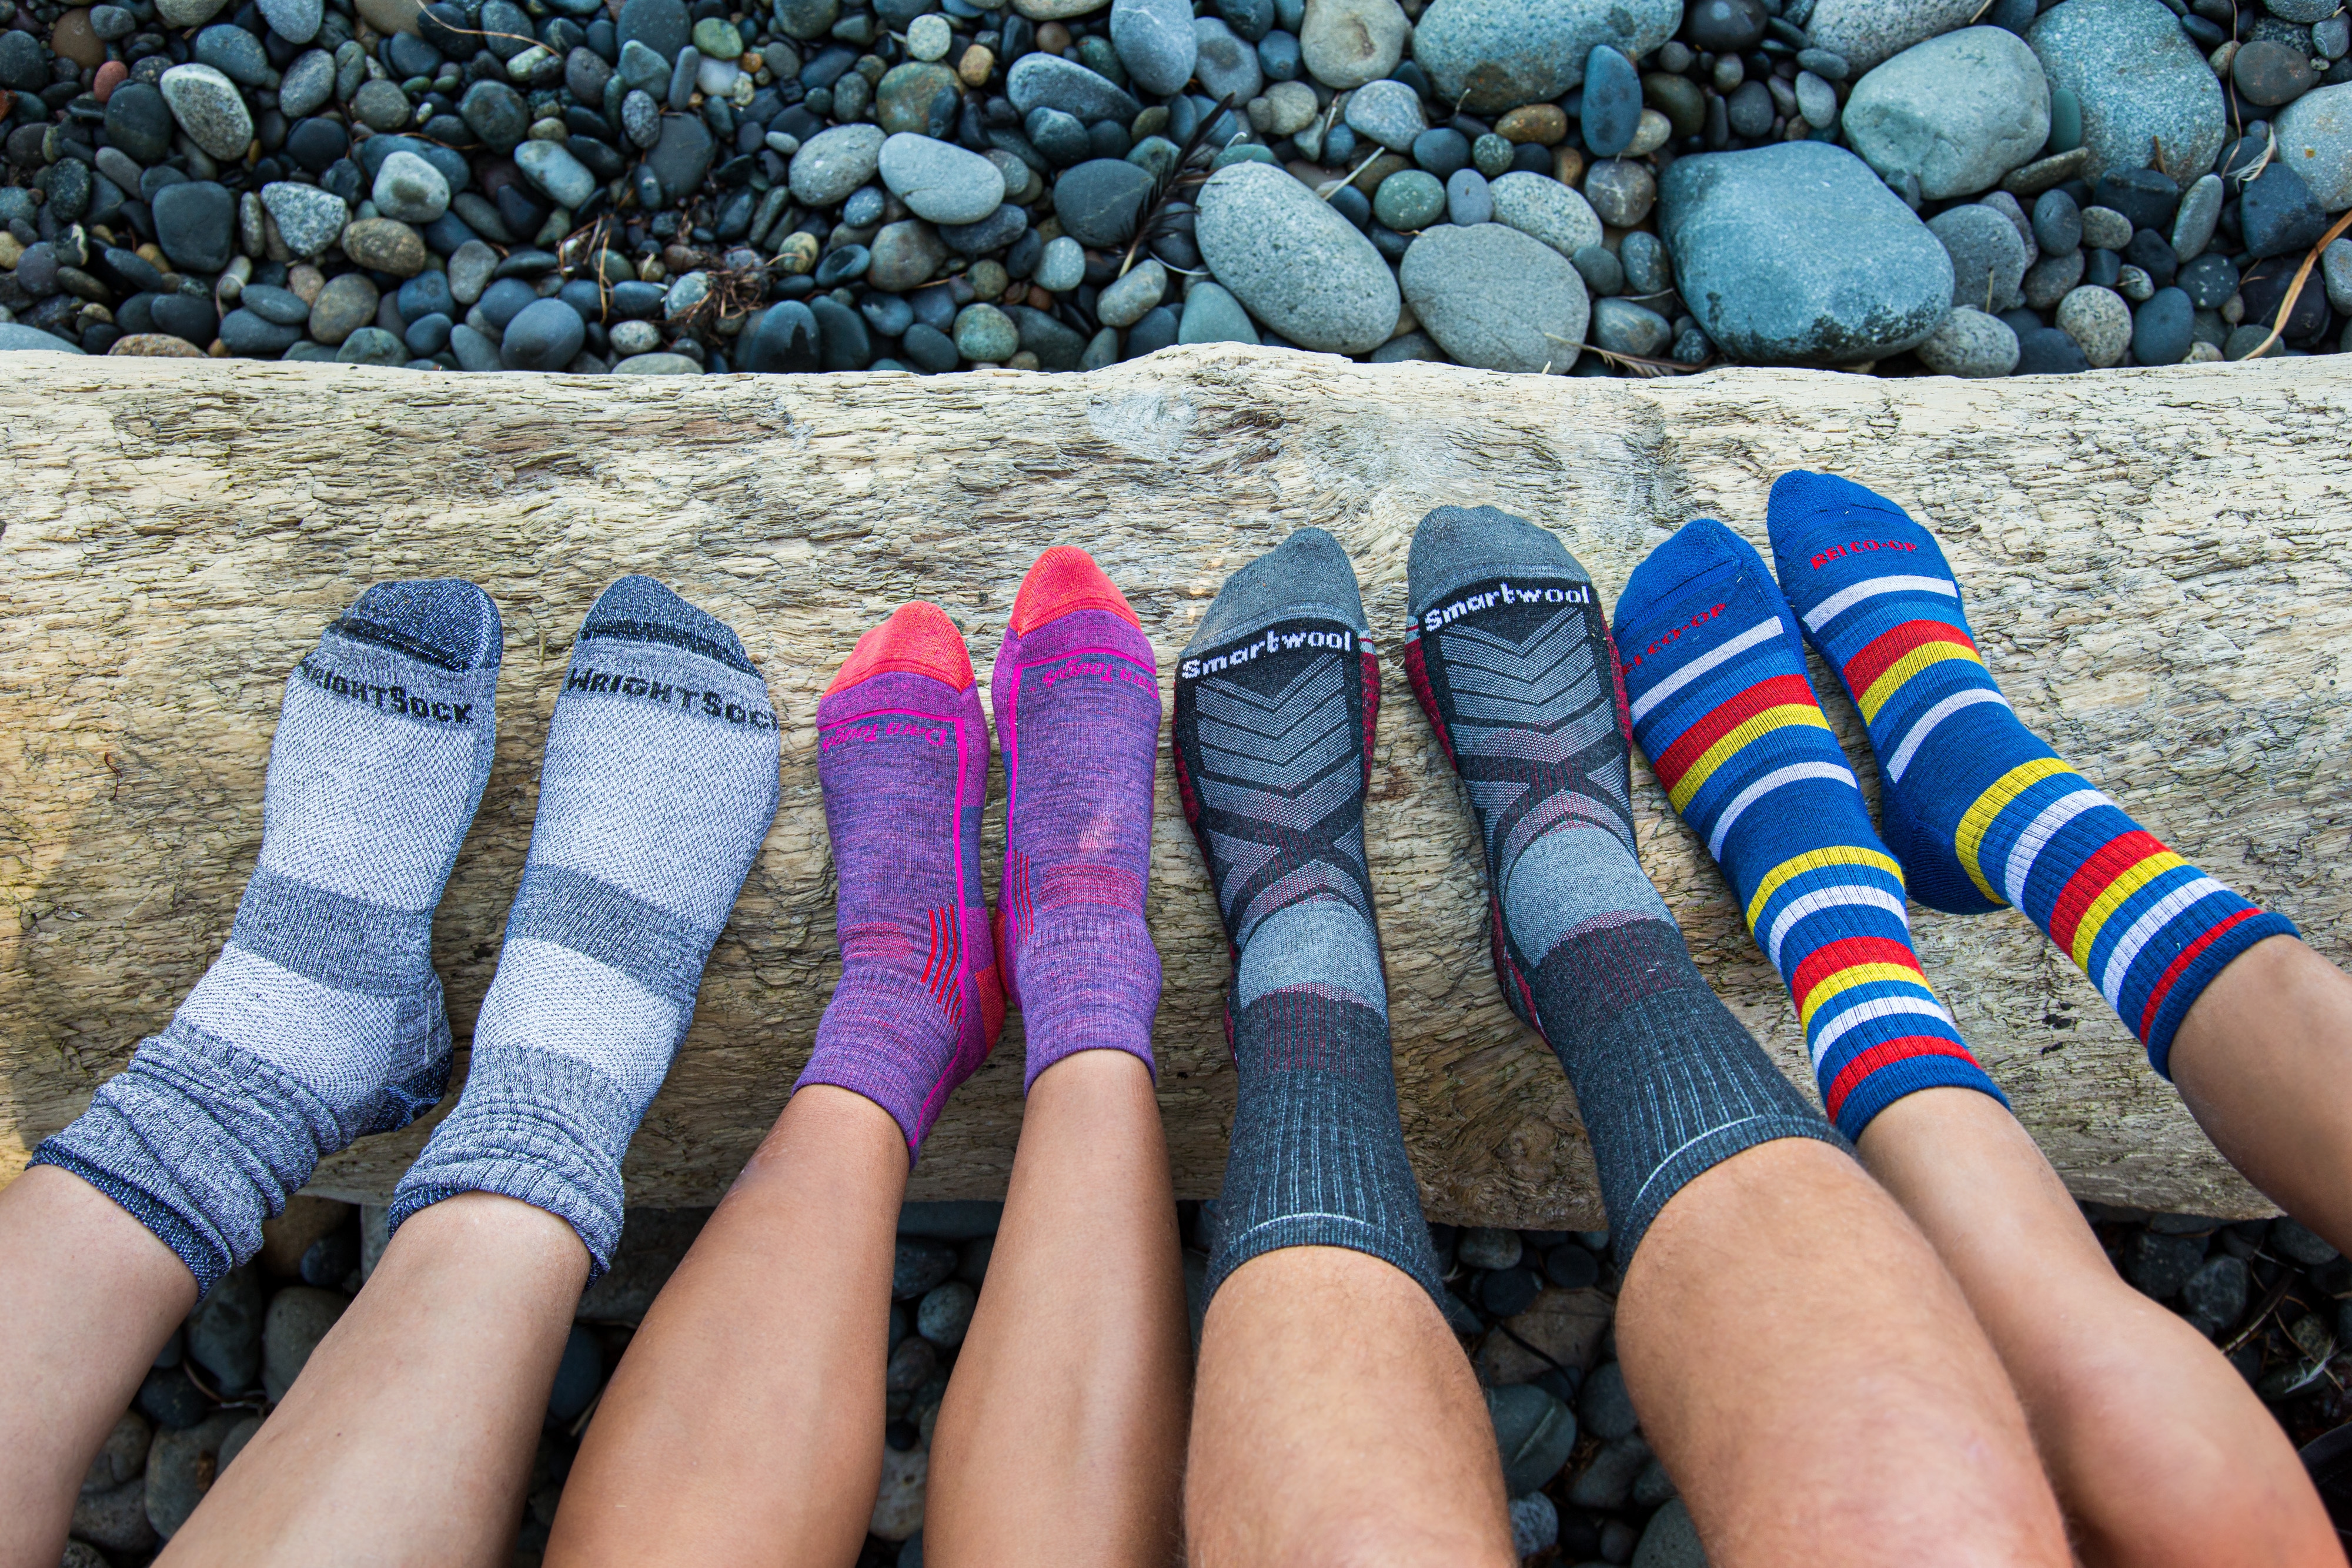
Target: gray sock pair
[{"x": 322, "y": 1020}]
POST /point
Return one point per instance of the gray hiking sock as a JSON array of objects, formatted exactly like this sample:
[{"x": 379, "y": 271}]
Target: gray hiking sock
[
  {"x": 1510, "y": 656},
  {"x": 1275, "y": 705},
  {"x": 659, "y": 784},
  {"x": 321, "y": 1020}
]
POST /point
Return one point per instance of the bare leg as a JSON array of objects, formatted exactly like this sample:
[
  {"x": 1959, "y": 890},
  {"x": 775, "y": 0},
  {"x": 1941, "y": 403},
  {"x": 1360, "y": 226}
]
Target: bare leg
[
  {"x": 2264, "y": 1061},
  {"x": 2159, "y": 1452},
  {"x": 745, "y": 1425},
  {"x": 1814, "y": 1383},
  {"x": 1062, "y": 1436},
  {"x": 408, "y": 1438},
  {"x": 1410, "y": 1476},
  {"x": 88, "y": 1296}
]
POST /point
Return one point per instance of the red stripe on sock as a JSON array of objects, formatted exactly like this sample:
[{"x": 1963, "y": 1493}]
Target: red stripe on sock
[
  {"x": 2179, "y": 966},
  {"x": 1862, "y": 671},
  {"x": 1693, "y": 743},
  {"x": 1880, "y": 1055},
  {"x": 1416, "y": 670},
  {"x": 1832, "y": 957},
  {"x": 2093, "y": 877}
]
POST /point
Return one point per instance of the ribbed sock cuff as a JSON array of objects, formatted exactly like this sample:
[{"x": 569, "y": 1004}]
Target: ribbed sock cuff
[
  {"x": 1389, "y": 1243},
  {"x": 199, "y": 1141},
  {"x": 1908, "y": 1075},
  {"x": 1669, "y": 1087},
  {"x": 1089, "y": 980},
  {"x": 2197, "y": 967},
  {"x": 537, "y": 1127}
]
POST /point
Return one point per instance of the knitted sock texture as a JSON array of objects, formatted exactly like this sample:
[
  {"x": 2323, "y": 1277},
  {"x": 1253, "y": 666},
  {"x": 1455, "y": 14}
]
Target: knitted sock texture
[
  {"x": 321, "y": 1020},
  {"x": 1275, "y": 701},
  {"x": 1978, "y": 808},
  {"x": 903, "y": 757},
  {"x": 1077, "y": 693},
  {"x": 1722, "y": 707},
  {"x": 659, "y": 783},
  {"x": 1508, "y": 652}
]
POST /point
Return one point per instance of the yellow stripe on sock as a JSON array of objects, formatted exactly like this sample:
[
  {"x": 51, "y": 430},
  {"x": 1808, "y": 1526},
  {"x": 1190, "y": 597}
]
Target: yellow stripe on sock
[
  {"x": 1846, "y": 979},
  {"x": 2107, "y": 903},
  {"x": 1882, "y": 690},
  {"x": 1977, "y": 820},
  {"x": 1816, "y": 860},
  {"x": 1722, "y": 751}
]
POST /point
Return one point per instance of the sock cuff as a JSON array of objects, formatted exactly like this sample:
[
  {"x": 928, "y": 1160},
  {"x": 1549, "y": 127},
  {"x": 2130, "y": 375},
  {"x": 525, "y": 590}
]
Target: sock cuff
[
  {"x": 1702, "y": 1154},
  {"x": 534, "y": 1127},
  {"x": 2176, "y": 990},
  {"x": 1099, "y": 992},
  {"x": 199, "y": 1142},
  {"x": 1906, "y": 1075},
  {"x": 1390, "y": 1244}
]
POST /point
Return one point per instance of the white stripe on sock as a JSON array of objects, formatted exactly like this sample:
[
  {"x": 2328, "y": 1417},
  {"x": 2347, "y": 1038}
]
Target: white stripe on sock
[
  {"x": 2037, "y": 836},
  {"x": 1870, "y": 587},
  {"x": 2144, "y": 930},
  {"x": 1879, "y": 1008},
  {"x": 1697, "y": 667},
  {"x": 1846, "y": 895},
  {"x": 1795, "y": 773},
  {"x": 1930, "y": 719}
]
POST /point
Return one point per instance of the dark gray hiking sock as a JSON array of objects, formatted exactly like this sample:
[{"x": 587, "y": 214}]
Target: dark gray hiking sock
[
  {"x": 1275, "y": 704},
  {"x": 1510, "y": 656},
  {"x": 321, "y": 1020},
  {"x": 659, "y": 784}
]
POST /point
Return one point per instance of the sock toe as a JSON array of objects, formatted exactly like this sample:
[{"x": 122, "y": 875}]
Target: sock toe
[
  {"x": 638, "y": 609},
  {"x": 1307, "y": 575},
  {"x": 1456, "y": 545},
  {"x": 918, "y": 639},
  {"x": 446, "y": 621},
  {"x": 1064, "y": 579}
]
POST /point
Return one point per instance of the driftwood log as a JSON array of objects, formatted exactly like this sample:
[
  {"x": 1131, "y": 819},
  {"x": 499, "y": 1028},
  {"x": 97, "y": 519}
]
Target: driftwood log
[{"x": 2159, "y": 564}]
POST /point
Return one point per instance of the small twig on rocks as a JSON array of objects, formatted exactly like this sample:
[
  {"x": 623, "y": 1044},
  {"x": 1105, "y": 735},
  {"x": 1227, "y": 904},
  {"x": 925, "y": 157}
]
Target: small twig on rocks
[
  {"x": 2270, "y": 1300},
  {"x": 2294, "y": 290},
  {"x": 1643, "y": 367},
  {"x": 1179, "y": 175}
]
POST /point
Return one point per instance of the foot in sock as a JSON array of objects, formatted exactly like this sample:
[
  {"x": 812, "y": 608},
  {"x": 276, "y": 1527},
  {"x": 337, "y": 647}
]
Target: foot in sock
[
  {"x": 1715, "y": 674},
  {"x": 1077, "y": 691},
  {"x": 1509, "y": 653},
  {"x": 1276, "y": 700},
  {"x": 322, "y": 1018},
  {"x": 1979, "y": 812},
  {"x": 661, "y": 782},
  {"x": 902, "y": 752}
]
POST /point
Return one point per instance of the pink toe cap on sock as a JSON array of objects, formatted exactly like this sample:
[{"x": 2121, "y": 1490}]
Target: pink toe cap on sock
[
  {"x": 918, "y": 640},
  {"x": 1065, "y": 578}
]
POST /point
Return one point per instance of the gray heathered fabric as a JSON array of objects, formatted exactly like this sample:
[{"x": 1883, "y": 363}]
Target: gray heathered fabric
[
  {"x": 660, "y": 783},
  {"x": 322, "y": 1018},
  {"x": 1667, "y": 1081},
  {"x": 1275, "y": 749}
]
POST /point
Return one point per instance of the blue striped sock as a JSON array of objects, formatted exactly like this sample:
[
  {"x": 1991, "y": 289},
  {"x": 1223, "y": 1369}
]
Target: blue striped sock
[
  {"x": 1715, "y": 677},
  {"x": 1981, "y": 811}
]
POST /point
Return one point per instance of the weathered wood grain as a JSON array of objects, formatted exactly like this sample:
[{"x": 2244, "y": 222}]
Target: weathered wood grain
[{"x": 2159, "y": 564}]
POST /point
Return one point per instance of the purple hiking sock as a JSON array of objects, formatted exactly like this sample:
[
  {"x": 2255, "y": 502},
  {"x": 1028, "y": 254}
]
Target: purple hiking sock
[
  {"x": 1077, "y": 702},
  {"x": 903, "y": 757}
]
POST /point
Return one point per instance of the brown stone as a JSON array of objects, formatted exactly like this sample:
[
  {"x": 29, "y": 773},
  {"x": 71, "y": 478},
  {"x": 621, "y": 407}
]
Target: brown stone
[
  {"x": 1567, "y": 166},
  {"x": 73, "y": 38},
  {"x": 1565, "y": 1326},
  {"x": 110, "y": 75},
  {"x": 976, "y": 66},
  {"x": 156, "y": 346},
  {"x": 285, "y": 1239},
  {"x": 1053, "y": 38},
  {"x": 387, "y": 245},
  {"x": 1544, "y": 124}
]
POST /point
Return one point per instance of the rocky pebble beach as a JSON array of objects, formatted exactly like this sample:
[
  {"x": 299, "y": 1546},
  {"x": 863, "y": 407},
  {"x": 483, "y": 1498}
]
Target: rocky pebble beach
[
  {"x": 1533, "y": 1310},
  {"x": 1589, "y": 186}
]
